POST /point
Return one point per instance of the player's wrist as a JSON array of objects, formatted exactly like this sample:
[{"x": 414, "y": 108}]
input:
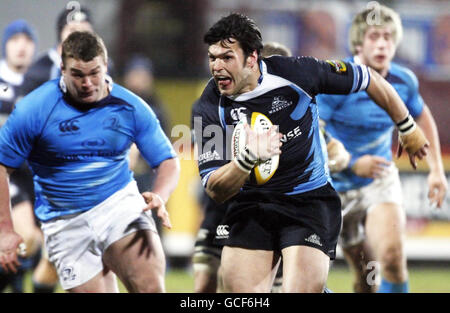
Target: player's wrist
[
  {"x": 246, "y": 160},
  {"x": 406, "y": 126},
  {"x": 156, "y": 195}
]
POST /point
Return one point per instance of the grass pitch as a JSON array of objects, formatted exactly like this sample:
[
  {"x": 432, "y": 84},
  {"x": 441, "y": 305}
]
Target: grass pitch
[{"x": 421, "y": 279}]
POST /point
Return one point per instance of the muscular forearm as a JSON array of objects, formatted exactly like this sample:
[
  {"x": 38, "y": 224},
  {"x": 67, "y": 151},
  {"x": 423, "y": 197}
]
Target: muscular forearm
[
  {"x": 427, "y": 123},
  {"x": 225, "y": 182},
  {"x": 168, "y": 173},
  {"x": 5, "y": 204},
  {"x": 384, "y": 95}
]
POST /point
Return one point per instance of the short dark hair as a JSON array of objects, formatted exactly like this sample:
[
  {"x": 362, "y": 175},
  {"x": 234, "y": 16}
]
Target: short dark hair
[
  {"x": 75, "y": 15},
  {"x": 83, "y": 46},
  {"x": 239, "y": 27}
]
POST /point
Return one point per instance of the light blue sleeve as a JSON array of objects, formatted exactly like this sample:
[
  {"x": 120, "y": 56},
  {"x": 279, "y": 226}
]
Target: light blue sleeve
[
  {"x": 150, "y": 139},
  {"x": 19, "y": 133},
  {"x": 327, "y": 104},
  {"x": 415, "y": 101}
]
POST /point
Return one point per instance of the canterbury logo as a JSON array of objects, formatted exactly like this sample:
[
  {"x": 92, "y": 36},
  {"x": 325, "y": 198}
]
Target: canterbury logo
[
  {"x": 222, "y": 231},
  {"x": 69, "y": 126}
]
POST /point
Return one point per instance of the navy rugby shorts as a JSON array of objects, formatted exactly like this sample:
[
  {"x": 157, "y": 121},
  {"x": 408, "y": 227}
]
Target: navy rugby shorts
[{"x": 273, "y": 221}]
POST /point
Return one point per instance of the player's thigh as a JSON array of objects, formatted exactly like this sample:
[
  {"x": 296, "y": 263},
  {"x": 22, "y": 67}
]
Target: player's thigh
[
  {"x": 138, "y": 259},
  {"x": 246, "y": 270},
  {"x": 385, "y": 226},
  {"x": 103, "y": 282},
  {"x": 305, "y": 269}
]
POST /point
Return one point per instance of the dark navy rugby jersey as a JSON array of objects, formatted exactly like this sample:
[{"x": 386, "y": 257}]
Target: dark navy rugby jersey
[
  {"x": 286, "y": 95},
  {"x": 10, "y": 83},
  {"x": 46, "y": 68}
]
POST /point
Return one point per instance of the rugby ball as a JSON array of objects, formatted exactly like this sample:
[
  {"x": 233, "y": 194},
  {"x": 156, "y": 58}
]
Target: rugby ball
[{"x": 263, "y": 171}]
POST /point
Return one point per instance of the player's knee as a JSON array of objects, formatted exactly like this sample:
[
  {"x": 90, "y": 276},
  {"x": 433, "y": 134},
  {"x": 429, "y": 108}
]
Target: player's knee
[
  {"x": 205, "y": 278},
  {"x": 392, "y": 260},
  {"x": 312, "y": 286},
  {"x": 146, "y": 283},
  {"x": 305, "y": 284}
]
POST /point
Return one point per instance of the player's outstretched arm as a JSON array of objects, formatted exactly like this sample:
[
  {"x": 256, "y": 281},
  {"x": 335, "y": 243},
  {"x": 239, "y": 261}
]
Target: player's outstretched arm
[
  {"x": 9, "y": 239},
  {"x": 411, "y": 137},
  {"x": 168, "y": 173},
  {"x": 437, "y": 182}
]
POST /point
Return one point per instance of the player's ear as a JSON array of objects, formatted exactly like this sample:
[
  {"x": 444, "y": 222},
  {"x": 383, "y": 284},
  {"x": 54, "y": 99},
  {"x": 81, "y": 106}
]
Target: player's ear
[{"x": 252, "y": 59}]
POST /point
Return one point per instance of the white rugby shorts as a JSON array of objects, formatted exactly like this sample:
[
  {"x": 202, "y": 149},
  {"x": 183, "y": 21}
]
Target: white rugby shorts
[
  {"x": 76, "y": 243},
  {"x": 357, "y": 202}
]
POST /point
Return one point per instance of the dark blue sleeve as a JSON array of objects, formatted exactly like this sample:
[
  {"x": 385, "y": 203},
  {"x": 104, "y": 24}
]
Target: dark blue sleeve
[
  {"x": 318, "y": 76},
  {"x": 327, "y": 104},
  {"x": 209, "y": 133}
]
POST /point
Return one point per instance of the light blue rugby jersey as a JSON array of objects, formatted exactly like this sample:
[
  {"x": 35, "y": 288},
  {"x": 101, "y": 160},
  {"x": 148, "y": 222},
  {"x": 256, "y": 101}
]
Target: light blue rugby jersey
[
  {"x": 79, "y": 157},
  {"x": 362, "y": 126}
]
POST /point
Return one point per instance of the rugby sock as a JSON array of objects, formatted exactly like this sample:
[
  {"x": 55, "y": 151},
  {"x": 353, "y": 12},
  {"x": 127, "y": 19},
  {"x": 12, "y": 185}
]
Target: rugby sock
[
  {"x": 5, "y": 279},
  {"x": 17, "y": 282},
  {"x": 388, "y": 287},
  {"x": 43, "y": 288}
]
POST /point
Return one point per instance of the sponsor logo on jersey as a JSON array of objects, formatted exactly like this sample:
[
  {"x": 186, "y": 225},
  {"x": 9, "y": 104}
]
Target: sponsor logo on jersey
[
  {"x": 222, "y": 232},
  {"x": 69, "y": 126},
  {"x": 279, "y": 103},
  {"x": 338, "y": 66},
  {"x": 111, "y": 122},
  {"x": 208, "y": 156},
  {"x": 238, "y": 114},
  {"x": 6, "y": 93},
  {"x": 294, "y": 133},
  {"x": 94, "y": 142},
  {"x": 314, "y": 239}
]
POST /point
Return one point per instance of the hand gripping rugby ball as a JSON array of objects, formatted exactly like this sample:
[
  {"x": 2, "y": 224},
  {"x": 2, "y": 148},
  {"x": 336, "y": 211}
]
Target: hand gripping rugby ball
[{"x": 263, "y": 171}]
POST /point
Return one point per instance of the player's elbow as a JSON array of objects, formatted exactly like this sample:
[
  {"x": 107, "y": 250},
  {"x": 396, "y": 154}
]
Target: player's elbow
[{"x": 218, "y": 192}]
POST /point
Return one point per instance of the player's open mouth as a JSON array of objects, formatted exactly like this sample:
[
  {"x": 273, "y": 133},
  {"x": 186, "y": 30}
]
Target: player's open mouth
[
  {"x": 86, "y": 94},
  {"x": 380, "y": 58},
  {"x": 223, "y": 82}
]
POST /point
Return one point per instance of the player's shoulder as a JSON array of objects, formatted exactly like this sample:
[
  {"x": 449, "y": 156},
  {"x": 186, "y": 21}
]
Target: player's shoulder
[
  {"x": 283, "y": 65},
  {"x": 403, "y": 74},
  {"x": 41, "y": 101},
  {"x": 44, "y": 94},
  {"x": 209, "y": 98},
  {"x": 127, "y": 97}
]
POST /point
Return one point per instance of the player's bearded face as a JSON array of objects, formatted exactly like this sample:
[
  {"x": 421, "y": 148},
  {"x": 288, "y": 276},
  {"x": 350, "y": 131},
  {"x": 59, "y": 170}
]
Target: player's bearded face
[
  {"x": 85, "y": 81},
  {"x": 229, "y": 68},
  {"x": 378, "y": 48}
]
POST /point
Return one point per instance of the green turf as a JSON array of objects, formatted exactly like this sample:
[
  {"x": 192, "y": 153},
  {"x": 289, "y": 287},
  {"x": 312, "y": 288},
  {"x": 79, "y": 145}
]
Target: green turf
[{"x": 422, "y": 279}]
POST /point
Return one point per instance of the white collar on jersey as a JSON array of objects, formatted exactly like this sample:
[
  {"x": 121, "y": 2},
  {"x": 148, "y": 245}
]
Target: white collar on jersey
[
  {"x": 268, "y": 83},
  {"x": 108, "y": 79},
  {"x": 357, "y": 60},
  {"x": 9, "y": 75}
]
